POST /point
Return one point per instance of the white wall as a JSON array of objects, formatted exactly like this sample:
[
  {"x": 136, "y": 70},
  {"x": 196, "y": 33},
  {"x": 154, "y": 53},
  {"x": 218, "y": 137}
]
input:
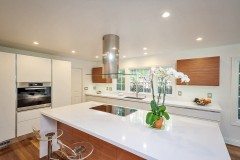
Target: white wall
[
  {"x": 221, "y": 94},
  {"x": 86, "y": 66}
]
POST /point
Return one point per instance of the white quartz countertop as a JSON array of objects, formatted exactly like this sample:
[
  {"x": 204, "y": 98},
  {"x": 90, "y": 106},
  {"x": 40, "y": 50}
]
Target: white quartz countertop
[
  {"x": 213, "y": 107},
  {"x": 182, "y": 138}
]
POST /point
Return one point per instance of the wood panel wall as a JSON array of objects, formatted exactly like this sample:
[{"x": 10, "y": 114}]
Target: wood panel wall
[
  {"x": 201, "y": 71},
  {"x": 102, "y": 150}
]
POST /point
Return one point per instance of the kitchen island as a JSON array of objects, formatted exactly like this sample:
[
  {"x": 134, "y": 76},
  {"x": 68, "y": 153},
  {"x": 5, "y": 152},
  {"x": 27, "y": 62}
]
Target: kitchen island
[{"x": 182, "y": 137}]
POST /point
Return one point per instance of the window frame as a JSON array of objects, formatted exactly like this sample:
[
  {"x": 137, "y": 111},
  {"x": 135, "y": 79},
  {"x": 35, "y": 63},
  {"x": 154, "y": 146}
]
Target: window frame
[
  {"x": 122, "y": 83},
  {"x": 235, "y": 84}
]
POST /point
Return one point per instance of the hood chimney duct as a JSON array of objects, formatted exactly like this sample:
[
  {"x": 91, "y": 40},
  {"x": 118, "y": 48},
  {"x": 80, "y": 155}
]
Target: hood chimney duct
[{"x": 110, "y": 55}]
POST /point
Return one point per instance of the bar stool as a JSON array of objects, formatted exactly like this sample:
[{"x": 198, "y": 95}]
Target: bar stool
[
  {"x": 49, "y": 137},
  {"x": 76, "y": 151}
]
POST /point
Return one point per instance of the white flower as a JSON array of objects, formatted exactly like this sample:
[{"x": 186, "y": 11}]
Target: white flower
[
  {"x": 164, "y": 75},
  {"x": 171, "y": 72},
  {"x": 185, "y": 79}
]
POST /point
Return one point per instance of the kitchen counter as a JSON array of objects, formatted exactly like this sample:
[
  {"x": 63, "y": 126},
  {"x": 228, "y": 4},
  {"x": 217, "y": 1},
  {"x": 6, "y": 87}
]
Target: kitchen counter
[
  {"x": 182, "y": 138},
  {"x": 213, "y": 107}
]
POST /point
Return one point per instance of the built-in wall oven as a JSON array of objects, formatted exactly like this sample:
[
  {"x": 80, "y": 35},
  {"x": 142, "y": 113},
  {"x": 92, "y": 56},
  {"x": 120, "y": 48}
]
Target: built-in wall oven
[{"x": 33, "y": 95}]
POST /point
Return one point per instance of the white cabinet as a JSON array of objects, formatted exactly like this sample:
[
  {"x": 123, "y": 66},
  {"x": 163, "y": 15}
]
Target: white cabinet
[
  {"x": 7, "y": 96},
  {"x": 33, "y": 69},
  {"x": 61, "y": 83},
  {"x": 27, "y": 119}
]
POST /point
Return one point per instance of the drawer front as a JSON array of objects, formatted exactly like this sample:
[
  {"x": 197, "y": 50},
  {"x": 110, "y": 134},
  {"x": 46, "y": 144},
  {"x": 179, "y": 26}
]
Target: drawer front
[
  {"x": 25, "y": 127},
  {"x": 207, "y": 115},
  {"x": 96, "y": 99},
  {"x": 30, "y": 114}
]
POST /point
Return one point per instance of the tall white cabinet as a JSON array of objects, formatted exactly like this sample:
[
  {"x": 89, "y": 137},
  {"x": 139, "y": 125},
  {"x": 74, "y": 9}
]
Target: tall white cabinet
[
  {"x": 61, "y": 83},
  {"x": 21, "y": 68},
  {"x": 7, "y": 96},
  {"x": 33, "y": 69}
]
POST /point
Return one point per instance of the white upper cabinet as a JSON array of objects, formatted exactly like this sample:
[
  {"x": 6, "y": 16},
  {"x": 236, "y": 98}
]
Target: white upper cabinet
[
  {"x": 33, "y": 69},
  {"x": 61, "y": 83},
  {"x": 7, "y": 96}
]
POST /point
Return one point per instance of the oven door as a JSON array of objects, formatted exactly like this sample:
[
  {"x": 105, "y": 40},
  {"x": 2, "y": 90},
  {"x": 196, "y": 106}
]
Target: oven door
[{"x": 33, "y": 97}]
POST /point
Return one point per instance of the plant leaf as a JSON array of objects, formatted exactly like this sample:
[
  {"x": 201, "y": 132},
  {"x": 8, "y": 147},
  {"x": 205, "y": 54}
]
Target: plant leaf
[
  {"x": 162, "y": 108},
  {"x": 151, "y": 118},
  {"x": 166, "y": 115},
  {"x": 153, "y": 105},
  {"x": 160, "y": 114},
  {"x": 148, "y": 117}
]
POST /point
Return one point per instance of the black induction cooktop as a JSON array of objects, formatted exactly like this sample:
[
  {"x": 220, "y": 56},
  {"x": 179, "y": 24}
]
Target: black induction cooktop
[{"x": 117, "y": 110}]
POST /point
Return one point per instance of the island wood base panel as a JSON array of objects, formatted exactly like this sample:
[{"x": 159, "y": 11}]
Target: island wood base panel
[{"x": 102, "y": 150}]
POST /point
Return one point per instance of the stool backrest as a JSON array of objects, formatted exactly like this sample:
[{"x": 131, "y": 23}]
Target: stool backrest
[{"x": 67, "y": 151}]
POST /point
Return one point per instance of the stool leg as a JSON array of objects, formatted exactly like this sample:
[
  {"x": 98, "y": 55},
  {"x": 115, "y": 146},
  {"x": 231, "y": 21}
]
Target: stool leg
[{"x": 49, "y": 149}]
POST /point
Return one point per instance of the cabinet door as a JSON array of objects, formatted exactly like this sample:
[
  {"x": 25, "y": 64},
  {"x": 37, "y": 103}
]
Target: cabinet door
[
  {"x": 201, "y": 71},
  {"x": 7, "y": 96},
  {"x": 61, "y": 83},
  {"x": 97, "y": 76},
  {"x": 33, "y": 69}
]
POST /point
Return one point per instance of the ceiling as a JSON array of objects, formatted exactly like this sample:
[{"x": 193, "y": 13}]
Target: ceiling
[{"x": 61, "y": 26}]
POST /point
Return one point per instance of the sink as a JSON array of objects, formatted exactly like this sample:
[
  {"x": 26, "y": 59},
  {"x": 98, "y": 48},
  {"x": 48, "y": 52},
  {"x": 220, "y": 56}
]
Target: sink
[{"x": 134, "y": 98}]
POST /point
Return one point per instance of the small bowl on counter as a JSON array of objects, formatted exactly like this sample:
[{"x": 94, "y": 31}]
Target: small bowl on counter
[{"x": 202, "y": 101}]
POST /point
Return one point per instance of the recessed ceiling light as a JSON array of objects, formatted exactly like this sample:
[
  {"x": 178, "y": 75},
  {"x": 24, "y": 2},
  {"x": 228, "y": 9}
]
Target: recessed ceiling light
[
  {"x": 124, "y": 56},
  {"x": 35, "y": 42},
  {"x": 97, "y": 57},
  {"x": 144, "y": 48},
  {"x": 114, "y": 48},
  {"x": 73, "y": 51},
  {"x": 145, "y": 53},
  {"x": 199, "y": 39},
  {"x": 165, "y": 14}
]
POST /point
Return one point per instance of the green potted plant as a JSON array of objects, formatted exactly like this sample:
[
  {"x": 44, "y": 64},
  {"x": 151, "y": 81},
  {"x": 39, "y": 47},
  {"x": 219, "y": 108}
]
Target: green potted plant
[{"x": 158, "y": 114}]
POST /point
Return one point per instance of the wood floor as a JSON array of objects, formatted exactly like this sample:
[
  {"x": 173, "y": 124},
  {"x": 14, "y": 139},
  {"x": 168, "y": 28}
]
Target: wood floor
[
  {"x": 23, "y": 150},
  {"x": 234, "y": 152},
  {"x": 28, "y": 150}
]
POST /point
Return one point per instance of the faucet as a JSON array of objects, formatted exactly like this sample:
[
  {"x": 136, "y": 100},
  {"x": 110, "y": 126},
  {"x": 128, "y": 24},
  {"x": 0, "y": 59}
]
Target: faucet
[{"x": 137, "y": 89}]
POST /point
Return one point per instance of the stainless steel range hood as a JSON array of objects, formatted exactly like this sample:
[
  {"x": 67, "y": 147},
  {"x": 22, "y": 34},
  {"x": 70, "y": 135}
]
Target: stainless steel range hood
[{"x": 110, "y": 55}]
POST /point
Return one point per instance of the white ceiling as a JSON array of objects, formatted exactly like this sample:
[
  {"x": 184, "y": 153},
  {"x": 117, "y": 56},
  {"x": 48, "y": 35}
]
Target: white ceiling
[{"x": 61, "y": 26}]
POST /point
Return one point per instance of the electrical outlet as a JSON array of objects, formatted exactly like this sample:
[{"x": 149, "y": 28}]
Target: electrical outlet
[
  {"x": 209, "y": 95},
  {"x": 110, "y": 88},
  {"x": 179, "y": 93},
  {"x": 85, "y": 88},
  {"x": 107, "y": 88}
]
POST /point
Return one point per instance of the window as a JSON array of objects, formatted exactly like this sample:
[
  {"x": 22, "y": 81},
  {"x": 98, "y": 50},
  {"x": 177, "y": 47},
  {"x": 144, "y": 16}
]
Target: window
[
  {"x": 121, "y": 80},
  {"x": 235, "y": 91},
  {"x": 169, "y": 88},
  {"x": 142, "y": 87}
]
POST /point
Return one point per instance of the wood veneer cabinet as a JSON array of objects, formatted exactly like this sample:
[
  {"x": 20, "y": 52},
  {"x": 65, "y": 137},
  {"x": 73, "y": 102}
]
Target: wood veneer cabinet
[
  {"x": 201, "y": 71},
  {"x": 97, "y": 76},
  {"x": 102, "y": 150}
]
